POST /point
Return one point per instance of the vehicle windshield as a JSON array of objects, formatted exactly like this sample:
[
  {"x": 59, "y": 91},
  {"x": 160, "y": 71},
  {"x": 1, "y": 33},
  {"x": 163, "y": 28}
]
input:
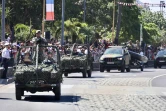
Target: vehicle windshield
[
  {"x": 46, "y": 54},
  {"x": 161, "y": 53},
  {"x": 113, "y": 51}
]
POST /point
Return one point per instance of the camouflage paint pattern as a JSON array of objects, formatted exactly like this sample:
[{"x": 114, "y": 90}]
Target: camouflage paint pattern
[{"x": 48, "y": 73}]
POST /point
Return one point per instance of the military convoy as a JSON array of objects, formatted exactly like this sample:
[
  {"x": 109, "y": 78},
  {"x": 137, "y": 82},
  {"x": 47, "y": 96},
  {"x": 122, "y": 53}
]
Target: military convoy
[
  {"x": 74, "y": 62},
  {"x": 38, "y": 71},
  {"x": 40, "y": 68}
]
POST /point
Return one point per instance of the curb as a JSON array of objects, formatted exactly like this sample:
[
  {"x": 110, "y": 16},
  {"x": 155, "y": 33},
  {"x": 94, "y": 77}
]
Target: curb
[{"x": 7, "y": 81}]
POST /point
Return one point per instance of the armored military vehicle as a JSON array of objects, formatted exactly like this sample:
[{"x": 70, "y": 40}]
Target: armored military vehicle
[
  {"x": 77, "y": 61},
  {"x": 37, "y": 70}
]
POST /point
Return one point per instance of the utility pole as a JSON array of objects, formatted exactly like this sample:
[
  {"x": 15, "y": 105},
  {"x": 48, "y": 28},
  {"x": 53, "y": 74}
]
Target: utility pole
[
  {"x": 118, "y": 22},
  {"x": 3, "y": 21},
  {"x": 84, "y": 10},
  {"x": 62, "y": 36},
  {"x": 43, "y": 21},
  {"x": 113, "y": 22},
  {"x": 141, "y": 34},
  {"x": 162, "y": 4}
]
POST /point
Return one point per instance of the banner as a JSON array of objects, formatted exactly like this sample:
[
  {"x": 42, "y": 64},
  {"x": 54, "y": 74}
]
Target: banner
[
  {"x": 49, "y": 10},
  {"x": 142, "y": 4}
]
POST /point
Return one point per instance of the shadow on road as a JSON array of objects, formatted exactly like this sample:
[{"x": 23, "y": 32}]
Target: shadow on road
[
  {"x": 5, "y": 98},
  {"x": 43, "y": 98},
  {"x": 132, "y": 71},
  {"x": 85, "y": 78}
]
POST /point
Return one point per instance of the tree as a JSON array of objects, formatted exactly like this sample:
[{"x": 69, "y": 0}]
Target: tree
[{"x": 22, "y": 32}]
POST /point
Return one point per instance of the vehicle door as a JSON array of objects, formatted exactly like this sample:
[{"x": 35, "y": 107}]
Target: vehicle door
[{"x": 126, "y": 57}]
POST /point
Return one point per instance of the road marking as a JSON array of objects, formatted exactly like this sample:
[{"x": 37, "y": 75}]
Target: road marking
[
  {"x": 150, "y": 82},
  {"x": 164, "y": 93},
  {"x": 67, "y": 86},
  {"x": 106, "y": 75}
]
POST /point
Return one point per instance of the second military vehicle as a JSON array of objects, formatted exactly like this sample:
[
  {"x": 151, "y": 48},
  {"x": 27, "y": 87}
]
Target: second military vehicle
[{"x": 79, "y": 60}]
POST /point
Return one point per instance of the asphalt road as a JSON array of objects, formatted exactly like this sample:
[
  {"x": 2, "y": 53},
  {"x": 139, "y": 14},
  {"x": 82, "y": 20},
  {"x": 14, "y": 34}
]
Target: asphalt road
[{"x": 71, "y": 93}]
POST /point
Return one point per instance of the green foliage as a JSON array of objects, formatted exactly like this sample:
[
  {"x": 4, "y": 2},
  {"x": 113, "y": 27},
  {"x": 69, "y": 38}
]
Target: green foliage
[
  {"x": 22, "y": 32},
  {"x": 99, "y": 18}
]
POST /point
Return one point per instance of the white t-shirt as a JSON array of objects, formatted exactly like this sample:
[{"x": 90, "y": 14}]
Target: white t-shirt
[
  {"x": 6, "y": 53},
  {"x": 79, "y": 50}
]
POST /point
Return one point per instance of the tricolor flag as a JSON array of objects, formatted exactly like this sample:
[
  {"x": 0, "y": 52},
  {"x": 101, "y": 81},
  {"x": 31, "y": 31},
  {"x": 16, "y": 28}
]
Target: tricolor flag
[{"x": 49, "y": 10}]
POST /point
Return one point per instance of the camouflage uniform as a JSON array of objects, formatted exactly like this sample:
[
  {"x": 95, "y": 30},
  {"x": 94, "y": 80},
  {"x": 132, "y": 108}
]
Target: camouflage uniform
[{"x": 41, "y": 41}]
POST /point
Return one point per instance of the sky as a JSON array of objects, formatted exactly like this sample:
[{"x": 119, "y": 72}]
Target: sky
[{"x": 154, "y": 2}]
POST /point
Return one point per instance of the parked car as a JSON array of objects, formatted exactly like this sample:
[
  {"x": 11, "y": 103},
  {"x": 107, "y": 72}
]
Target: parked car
[
  {"x": 160, "y": 59},
  {"x": 115, "y": 57}
]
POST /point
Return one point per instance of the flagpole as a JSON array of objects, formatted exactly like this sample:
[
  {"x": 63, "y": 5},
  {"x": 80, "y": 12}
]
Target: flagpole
[
  {"x": 113, "y": 22},
  {"x": 63, "y": 17},
  {"x": 3, "y": 21},
  {"x": 43, "y": 21}
]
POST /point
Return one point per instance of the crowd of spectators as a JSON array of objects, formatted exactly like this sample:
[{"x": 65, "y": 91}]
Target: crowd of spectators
[{"x": 96, "y": 48}]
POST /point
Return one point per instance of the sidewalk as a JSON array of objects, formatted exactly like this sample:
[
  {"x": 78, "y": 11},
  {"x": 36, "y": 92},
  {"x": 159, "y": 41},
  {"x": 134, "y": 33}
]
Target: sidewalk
[
  {"x": 6, "y": 81},
  {"x": 10, "y": 76}
]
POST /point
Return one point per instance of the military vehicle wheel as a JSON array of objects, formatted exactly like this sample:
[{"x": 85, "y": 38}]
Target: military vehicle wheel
[
  {"x": 22, "y": 92},
  {"x": 142, "y": 69},
  {"x": 108, "y": 70},
  {"x": 155, "y": 64},
  {"x": 84, "y": 73},
  {"x": 66, "y": 74},
  {"x": 18, "y": 93},
  {"x": 57, "y": 92},
  {"x": 159, "y": 66},
  {"x": 101, "y": 68},
  {"x": 128, "y": 69},
  {"x": 89, "y": 72}
]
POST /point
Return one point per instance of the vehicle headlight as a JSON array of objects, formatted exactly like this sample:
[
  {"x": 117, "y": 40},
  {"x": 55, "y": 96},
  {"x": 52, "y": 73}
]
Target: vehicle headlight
[
  {"x": 102, "y": 58},
  {"x": 120, "y": 58}
]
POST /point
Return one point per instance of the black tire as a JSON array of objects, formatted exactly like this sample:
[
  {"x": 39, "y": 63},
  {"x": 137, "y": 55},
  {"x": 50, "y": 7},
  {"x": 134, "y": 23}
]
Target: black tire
[
  {"x": 155, "y": 64},
  {"x": 18, "y": 93},
  {"x": 89, "y": 72},
  {"x": 123, "y": 67},
  {"x": 142, "y": 69},
  {"x": 159, "y": 66},
  {"x": 57, "y": 92},
  {"x": 101, "y": 68},
  {"x": 127, "y": 69},
  {"x": 22, "y": 92},
  {"x": 108, "y": 70},
  {"x": 84, "y": 73},
  {"x": 66, "y": 74}
]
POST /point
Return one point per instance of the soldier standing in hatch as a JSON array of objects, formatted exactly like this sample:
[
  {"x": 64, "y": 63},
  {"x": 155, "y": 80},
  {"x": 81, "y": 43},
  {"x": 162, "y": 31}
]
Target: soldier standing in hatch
[{"x": 41, "y": 41}]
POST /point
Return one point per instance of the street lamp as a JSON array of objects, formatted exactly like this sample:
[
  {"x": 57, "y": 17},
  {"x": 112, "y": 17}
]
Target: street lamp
[
  {"x": 63, "y": 9},
  {"x": 84, "y": 10},
  {"x": 113, "y": 22},
  {"x": 3, "y": 21},
  {"x": 43, "y": 21}
]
